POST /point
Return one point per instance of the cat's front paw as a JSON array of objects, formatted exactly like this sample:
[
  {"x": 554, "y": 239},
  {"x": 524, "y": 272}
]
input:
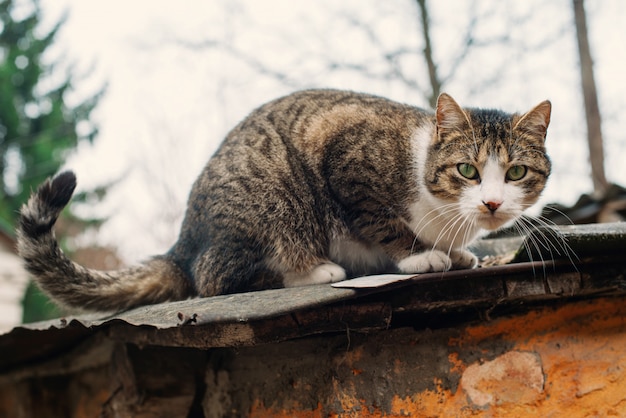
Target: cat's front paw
[
  {"x": 425, "y": 262},
  {"x": 324, "y": 273},
  {"x": 463, "y": 259}
]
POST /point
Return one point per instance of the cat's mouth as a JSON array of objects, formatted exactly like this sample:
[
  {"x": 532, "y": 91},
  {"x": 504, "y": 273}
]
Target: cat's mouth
[{"x": 493, "y": 221}]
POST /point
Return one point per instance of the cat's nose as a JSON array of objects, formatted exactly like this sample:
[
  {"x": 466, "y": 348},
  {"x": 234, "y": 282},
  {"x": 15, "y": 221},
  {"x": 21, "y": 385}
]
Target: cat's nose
[{"x": 492, "y": 205}]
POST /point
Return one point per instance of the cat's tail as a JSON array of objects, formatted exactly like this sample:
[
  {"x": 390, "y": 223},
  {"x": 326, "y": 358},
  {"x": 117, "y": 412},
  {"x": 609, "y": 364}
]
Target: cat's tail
[{"x": 157, "y": 280}]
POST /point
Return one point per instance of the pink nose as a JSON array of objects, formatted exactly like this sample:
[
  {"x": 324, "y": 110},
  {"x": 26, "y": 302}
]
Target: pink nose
[{"x": 492, "y": 206}]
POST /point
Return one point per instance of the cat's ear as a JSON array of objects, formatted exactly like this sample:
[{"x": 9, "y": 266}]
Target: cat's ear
[
  {"x": 450, "y": 116},
  {"x": 537, "y": 120}
]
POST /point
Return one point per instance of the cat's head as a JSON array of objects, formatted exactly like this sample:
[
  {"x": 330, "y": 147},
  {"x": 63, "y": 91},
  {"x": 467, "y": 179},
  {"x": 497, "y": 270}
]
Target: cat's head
[{"x": 490, "y": 164}]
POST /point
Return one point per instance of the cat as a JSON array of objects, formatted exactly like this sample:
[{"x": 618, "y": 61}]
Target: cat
[{"x": 316, "y": 187}]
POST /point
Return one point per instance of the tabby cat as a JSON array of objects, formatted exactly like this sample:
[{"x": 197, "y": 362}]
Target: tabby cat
[{"x": 315, "y": 187}]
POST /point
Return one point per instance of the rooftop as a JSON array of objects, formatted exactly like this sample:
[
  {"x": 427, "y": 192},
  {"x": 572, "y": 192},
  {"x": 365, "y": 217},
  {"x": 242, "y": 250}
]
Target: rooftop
[{"x": 591, "y": 264}]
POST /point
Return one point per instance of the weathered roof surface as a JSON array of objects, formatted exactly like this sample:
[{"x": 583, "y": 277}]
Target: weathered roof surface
[{"x": 593, "y": 262}]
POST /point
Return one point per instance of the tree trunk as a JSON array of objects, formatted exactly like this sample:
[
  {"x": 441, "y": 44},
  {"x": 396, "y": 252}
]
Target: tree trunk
[
  {"x": 592, "y": 111},
  {"x": 435, "y": 82}
]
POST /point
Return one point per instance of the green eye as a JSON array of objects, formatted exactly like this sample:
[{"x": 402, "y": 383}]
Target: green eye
[
  {"x": 468, "y": 171},
  {"x": 517, "y": 172}
]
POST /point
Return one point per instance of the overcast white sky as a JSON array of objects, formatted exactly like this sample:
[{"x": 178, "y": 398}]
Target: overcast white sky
[{"x": 168, "y": 106}]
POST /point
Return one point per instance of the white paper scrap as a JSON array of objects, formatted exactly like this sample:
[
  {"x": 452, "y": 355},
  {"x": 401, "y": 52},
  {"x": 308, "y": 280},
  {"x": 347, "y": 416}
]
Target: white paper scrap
[{"x": 368, "y": 282}]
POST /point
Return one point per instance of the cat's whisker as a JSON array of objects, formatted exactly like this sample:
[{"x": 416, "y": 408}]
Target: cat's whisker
[
  {"x": 560, "y": 212},
  {"x": 471, "y": 140},
  {"x": 441, "y": 212},
  {"x": 512, "y": 140},
  {"x": 524, "y": 230},
  {"x": 529, "y": 228},
  {"x": 549, "y": 226},
  {"x": 464, "y": 220},
  {"x": 417, "y": 239},
  {"x": 447, "y": 227},
  {"x": 546, "y": 237},
  {"x": 559, "y": 242},
  {"x": 472, "y": 227}
]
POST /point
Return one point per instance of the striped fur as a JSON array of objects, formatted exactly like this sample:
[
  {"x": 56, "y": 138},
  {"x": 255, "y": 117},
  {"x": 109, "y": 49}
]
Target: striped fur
[{"x": 313, "y": 188}]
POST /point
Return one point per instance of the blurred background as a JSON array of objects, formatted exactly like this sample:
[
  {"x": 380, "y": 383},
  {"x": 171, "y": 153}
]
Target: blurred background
[{"x": 136, "y": 96}]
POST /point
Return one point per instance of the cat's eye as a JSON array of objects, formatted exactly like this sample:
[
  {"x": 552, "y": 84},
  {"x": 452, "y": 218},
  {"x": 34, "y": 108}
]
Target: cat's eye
[
  {"x": 517, "y": 172},
  {"x": 468, "y": 171}
]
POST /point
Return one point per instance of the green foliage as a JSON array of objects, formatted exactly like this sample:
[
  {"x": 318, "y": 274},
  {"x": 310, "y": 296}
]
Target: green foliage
[
  {"x": 36, "y": 125},
  {"x": 37, "y": 306}
]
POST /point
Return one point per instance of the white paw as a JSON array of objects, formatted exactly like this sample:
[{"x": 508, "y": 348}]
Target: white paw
[
  {"x": 463, "y": 259},
  {"x": 324, "y": 273},
  {"x": 425, "y": 262}
]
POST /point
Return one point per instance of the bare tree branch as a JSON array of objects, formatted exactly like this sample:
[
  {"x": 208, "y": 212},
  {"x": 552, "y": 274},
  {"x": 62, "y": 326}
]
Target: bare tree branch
[
  {"x": 253, "y": 63},
  {"x": 435, "y": 81},
  {"x": 392, "y": 59}
]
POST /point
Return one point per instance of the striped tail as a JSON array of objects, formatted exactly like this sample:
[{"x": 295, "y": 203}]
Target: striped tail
[{"x": 68, "y": 283}]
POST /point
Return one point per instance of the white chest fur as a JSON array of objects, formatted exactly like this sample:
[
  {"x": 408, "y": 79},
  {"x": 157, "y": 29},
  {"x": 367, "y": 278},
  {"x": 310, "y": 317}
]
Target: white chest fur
[{"x": 441, "y": 226}]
